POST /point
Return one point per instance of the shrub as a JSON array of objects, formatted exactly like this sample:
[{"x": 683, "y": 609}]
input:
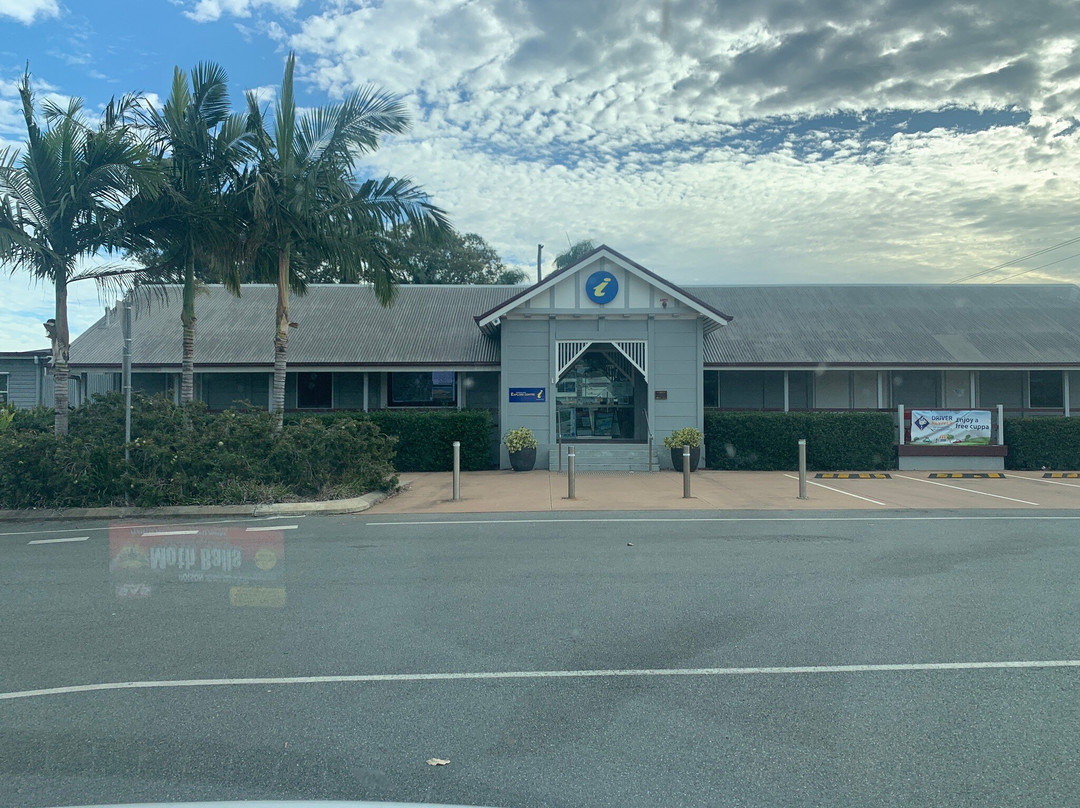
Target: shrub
[
  {"x": 187, "y": 456},
  {"x": 687, "y": 436},
  {"x": 518, "y": 439},
  {"x": 768, "y": 441},
  {"x": 1042, "y": 442},
  {"x": 425, "y": 438}
]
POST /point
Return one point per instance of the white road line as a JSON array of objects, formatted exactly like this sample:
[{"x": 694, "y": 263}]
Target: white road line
[
  {"x": 1041, "y": 480},
  {"x": 961, "y": 488},
  {"x": 272, "y": 527},
  {"x": 582, "y": 674},
  {"x": 59, "y": 541},
  {"x": 172, "y": 533},
  {"x": 996, "y": 517},
  {"x": 128, "y": 525},
  {"x": 838, "y": 491}
]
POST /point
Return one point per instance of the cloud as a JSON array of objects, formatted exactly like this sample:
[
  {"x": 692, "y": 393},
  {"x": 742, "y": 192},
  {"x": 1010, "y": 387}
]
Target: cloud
[
  {"x": 28, "y": 11},
  {"x": 213, "y": 10},
  {"x": 750, "y": 140}
]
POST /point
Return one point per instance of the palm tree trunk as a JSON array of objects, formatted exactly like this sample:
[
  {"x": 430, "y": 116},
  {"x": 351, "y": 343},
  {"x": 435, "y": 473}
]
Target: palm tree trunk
[
  {"x": 60, "y": 351},
  {"x": 187, "y": 318},
  {"x": 281, "y": 338}
]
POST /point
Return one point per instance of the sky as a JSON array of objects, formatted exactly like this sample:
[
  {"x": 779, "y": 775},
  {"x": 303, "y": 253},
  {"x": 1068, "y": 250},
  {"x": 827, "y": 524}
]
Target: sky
[{"x": 744, "y": 141}]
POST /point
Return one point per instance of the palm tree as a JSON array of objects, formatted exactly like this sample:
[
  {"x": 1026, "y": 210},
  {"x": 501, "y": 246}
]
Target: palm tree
[
  {"x": 62, "y": 198},
  {"x": 309, "y": 213},
  {"x": 201, "y": 148},
  {"x": 574, "y": 252}
]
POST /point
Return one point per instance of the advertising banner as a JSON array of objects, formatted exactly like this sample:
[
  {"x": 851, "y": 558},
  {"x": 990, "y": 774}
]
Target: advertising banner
[{"x": 950, "y": 427}]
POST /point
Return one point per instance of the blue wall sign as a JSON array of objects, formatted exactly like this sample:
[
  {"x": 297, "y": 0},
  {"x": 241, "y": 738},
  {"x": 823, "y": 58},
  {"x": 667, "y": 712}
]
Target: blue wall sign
[
  {"x": 523, "y": 394},
  {"x": 601, "y": 287}
]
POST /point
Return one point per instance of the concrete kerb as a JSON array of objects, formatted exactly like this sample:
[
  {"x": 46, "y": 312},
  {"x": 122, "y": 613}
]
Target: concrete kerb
[{"x": 334, "y": 506}]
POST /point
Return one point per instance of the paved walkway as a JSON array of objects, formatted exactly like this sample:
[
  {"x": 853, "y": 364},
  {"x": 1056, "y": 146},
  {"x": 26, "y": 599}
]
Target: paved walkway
[{"x": 506, "y": 491}]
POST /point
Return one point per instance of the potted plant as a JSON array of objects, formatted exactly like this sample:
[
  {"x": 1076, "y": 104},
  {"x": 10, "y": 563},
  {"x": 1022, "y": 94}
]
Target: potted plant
[
  {"x": 521, "y": 444},
  {"x": 687, "y": 436}
]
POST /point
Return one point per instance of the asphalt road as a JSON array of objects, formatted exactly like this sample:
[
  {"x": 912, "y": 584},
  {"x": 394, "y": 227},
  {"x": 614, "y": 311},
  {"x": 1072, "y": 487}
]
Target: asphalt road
[{"x": 348, "y": 596}]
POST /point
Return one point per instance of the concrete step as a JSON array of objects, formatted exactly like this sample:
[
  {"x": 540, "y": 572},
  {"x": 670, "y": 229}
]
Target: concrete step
[{"x": 606, "y": 457}]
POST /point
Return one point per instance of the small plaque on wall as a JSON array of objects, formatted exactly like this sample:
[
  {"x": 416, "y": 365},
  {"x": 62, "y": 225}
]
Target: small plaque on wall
[{"x": 661, "y": 395}]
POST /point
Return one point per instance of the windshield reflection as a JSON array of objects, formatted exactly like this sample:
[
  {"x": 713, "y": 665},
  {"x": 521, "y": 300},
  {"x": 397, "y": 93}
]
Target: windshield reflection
[{"x": 246, "y": 563}]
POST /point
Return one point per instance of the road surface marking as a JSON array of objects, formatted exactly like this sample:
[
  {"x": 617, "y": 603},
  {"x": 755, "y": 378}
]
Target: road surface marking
[
  {"x": 961, "y": 488},
  {"x": 1041, "y": 480},
  {"x": 580, "y": 674},
  {"x": 838, "y": 491},
  {"x": 59, "y": 541},
  {"x": 601, "y": 519},
  {"x": 271, "y": 527},
  {"x": 172, "y": 533},
  {"x": 127, "y": 525}
]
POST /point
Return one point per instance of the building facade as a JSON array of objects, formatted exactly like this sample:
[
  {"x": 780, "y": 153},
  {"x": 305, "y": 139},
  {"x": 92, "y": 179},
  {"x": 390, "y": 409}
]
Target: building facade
[{"x": 608, "y": 355}]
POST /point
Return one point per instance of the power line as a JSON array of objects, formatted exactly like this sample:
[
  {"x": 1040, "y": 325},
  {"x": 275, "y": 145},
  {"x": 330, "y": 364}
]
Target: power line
[
  {"x": 1014, "y": 261},
  {"x": 1032, "y": 269}
]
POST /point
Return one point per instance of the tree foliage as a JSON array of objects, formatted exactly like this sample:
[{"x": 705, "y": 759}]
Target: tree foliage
[{"x": 452, "y": 258}]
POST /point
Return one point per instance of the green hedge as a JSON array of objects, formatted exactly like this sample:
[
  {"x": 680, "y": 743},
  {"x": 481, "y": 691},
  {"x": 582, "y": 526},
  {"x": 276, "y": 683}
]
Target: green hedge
[
  {"x": 768, "y": 441},
  {"x": 188, "y": 456},
  {"x": 1047, "y": 442},
  {"x": 426, "y": 437}
]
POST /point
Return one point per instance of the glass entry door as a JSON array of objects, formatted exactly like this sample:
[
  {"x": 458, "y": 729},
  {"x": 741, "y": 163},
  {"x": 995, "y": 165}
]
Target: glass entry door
[{"x": 600, "y": 397}]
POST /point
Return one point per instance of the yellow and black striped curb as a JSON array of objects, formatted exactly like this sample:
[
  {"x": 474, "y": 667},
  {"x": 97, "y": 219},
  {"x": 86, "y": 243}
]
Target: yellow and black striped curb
[
  {"x": 1062, "y": 475},
  {"x": 967, "y": 475},
  {"x": 844, "y": 475}
]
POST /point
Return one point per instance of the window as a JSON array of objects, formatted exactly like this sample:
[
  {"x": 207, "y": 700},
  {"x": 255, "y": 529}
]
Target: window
[
  {"x": 223, "y": 390},
  {"x": 751, "y": 389},
  {"x": 435, "y": 389},
  {"x": 917, "y": 389},
  {"x": 1045, "y": 389},
  {"x": 800, "y": 389},
  {"x": 712, "y": 388},
  {"x": 314, "y": 391},
  {"x": 3, "y": 388},
  {"x": 1001, "y": 387}
]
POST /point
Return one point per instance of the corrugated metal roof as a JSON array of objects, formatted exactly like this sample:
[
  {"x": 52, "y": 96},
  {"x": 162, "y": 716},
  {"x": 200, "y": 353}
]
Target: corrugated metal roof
[
  {"x": 773, "y": 325},
  {"x": 991, "y": 324},
  {"x": 337, "y": 324}
]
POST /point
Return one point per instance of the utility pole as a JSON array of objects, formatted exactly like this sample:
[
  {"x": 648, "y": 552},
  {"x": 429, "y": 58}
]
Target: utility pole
[
  {"x": 125, "y": 327},
  {"x": 539, "y": 252}
]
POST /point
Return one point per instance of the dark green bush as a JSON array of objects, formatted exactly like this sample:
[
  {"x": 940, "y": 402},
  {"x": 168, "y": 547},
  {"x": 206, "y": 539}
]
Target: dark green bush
[
  {"x": 768, "y": 441},
  {"x": 188, "y": 456},
  {"x": 1046, "y": 442},
  {"x": 426, "y": 437}
]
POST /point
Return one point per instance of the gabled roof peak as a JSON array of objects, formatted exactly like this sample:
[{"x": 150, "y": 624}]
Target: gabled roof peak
[{"x": 489, "y": 320}]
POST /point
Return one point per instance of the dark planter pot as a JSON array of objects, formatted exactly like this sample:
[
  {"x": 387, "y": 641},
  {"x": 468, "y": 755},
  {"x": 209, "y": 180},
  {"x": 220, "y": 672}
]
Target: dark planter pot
[
  {"x": 523, "y": 460},
  {"x": 695, "y": 457}
]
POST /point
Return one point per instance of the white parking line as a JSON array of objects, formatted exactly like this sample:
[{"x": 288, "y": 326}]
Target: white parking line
[
  {"x": 59, "y": 541},
  {"x": 580, "y": 674},
  {"x": 271, "y": 527},
  {"x": 838, "y": 491},
  {"x": 961, "y": 488},
  {"x": 172, "y": 533},
  {"x": 1041, "y": 480}
]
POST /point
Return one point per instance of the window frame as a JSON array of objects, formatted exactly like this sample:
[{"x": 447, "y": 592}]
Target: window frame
[{"x": 5, "y": 395}]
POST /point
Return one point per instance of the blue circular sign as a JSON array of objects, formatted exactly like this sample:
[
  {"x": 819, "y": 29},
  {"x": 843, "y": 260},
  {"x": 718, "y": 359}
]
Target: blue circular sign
[{"x": 601, "y": 287}]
